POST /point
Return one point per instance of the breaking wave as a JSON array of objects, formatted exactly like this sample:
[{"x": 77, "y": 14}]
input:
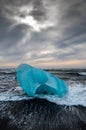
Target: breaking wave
[{"x": 75, "y": 96}]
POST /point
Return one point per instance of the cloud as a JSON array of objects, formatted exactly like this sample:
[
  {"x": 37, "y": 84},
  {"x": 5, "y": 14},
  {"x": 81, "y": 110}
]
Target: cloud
[
  {"x": 42, "y": 32},
  {"x": 33, "y": 15}
]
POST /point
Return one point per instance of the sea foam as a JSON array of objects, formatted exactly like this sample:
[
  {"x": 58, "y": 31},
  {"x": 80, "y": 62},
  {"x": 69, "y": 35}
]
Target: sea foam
[{"x": 75, "y": 96}]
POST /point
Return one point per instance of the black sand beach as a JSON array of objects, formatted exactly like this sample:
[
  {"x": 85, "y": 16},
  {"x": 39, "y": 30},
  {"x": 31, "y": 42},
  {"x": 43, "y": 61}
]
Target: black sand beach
[{"x": 40, "y": 114}]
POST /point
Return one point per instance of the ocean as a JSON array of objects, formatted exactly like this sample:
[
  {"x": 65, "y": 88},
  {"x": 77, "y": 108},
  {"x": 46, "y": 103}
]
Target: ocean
[{"x": 43, "y": 112}]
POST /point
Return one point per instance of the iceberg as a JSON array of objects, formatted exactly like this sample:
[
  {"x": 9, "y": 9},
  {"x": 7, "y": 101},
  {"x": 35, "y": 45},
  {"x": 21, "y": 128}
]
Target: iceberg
[{"x": 37, "y": 81}]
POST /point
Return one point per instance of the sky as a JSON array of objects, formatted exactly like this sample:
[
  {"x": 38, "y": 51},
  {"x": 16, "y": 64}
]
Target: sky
[{"x": 43, "y": 33}]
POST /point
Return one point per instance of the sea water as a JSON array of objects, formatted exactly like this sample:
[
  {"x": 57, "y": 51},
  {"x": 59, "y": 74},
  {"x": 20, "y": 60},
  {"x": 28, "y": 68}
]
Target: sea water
[{"x": 10, "y": 89}]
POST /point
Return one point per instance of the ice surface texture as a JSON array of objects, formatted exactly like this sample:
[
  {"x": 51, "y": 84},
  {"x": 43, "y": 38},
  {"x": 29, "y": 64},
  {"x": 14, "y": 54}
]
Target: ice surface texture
[{"x": 37, "y": 81}]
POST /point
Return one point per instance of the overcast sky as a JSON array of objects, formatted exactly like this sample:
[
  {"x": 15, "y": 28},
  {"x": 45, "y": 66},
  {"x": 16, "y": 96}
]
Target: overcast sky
[{"x": 43, "y": 33}]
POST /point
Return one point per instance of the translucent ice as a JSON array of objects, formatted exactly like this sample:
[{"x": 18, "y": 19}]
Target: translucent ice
[{"x": 37, "y": 81}]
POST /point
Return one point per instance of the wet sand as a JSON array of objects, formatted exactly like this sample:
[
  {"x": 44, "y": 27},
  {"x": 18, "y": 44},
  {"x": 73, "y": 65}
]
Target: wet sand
[{"x": 40, "y": 114}]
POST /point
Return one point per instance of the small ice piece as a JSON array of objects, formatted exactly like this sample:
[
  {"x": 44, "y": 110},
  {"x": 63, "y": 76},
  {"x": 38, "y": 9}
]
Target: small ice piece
[
  {"x": 82, "y": 73},
  {"x": 37, "y": 81}
]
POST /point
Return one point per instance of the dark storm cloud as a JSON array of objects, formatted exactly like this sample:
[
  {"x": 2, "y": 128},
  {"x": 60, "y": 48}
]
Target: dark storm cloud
[
  {"x": 9, "y": 37},
  {"x": 73, "y": 28},
  {"x": 42, "y": 29},
  {"x": 74, "y": 18},
  {"x": 39, "y": 12},
  {"x": 11, "y": 7}
]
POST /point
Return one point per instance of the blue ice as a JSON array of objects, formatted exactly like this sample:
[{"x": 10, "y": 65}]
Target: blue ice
[{"x": 37, "y": 81}]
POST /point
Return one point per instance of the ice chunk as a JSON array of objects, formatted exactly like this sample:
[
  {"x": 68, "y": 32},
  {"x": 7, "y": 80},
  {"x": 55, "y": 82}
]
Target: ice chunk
[{"x": 37, "y": 81}]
